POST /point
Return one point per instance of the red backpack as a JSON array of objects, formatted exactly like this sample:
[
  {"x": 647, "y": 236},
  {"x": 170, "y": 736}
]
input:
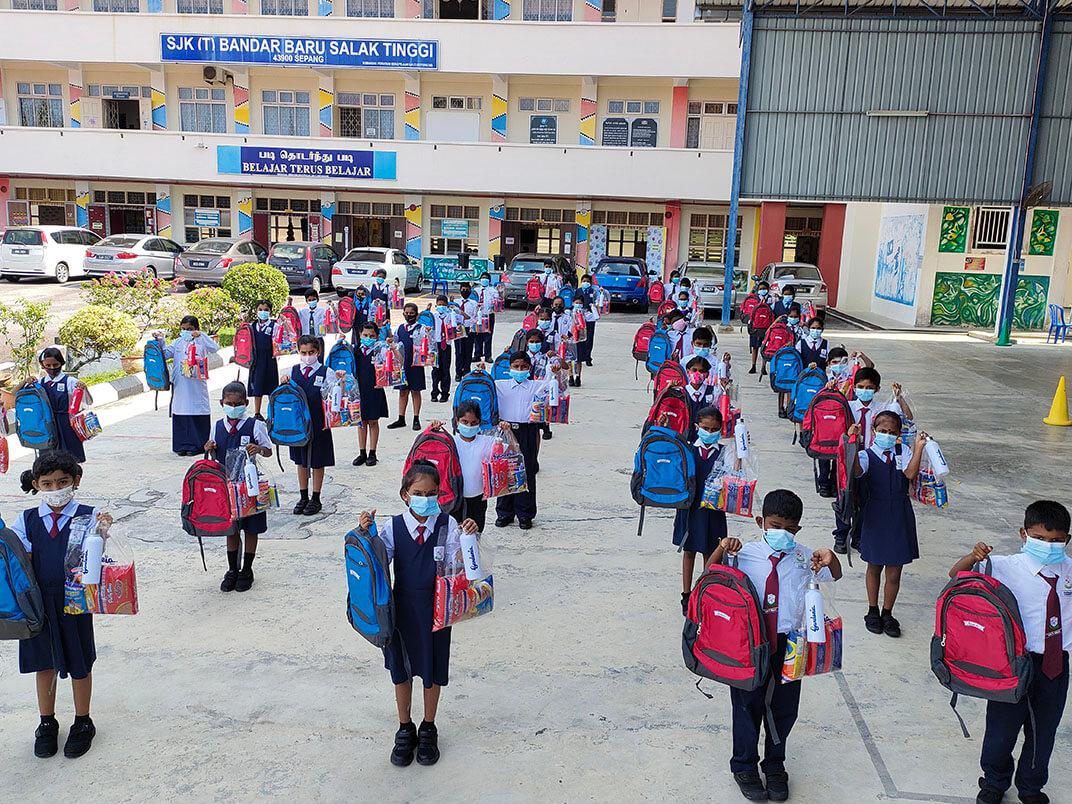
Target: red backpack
[
  {"x": 979, "y": 647},
  {"x": 669, "y": 373},
  {"x": 827, "y": 419},
  {"x": 529, "y": 322},
  {"x": 760, "y": 318},
  {"x": 640, "y": 341},
  {"x": 534, "y": 289},
  {"x": 290, "y": 313},
  {"x": 666, "y": 307},
  {"x": 245, "y": 346},
  {"x": 656, "y": 293},
  {"x": 347, "y": 314},
  {"x": 750, "y": 303},
  {"x": 778, "y": 335},
  {"x": 673, "y": 402},
  {"x": 725, "y": 638},
  {"x": 209, "y": 508},
  {"x": 438, "y": 447}
]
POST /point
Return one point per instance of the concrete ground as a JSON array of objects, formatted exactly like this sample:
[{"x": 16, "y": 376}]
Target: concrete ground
[{"x": 574, "y": 688}]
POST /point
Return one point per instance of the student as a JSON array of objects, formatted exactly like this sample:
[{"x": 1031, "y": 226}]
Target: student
[
  {"x": 59, "y": 387},
  {"x": 190, "y": 408},
  {"x": 312, "y": 317},
  {"x": 783, "y": 304},
  {"x": 474, "y": 449},
  {"x": 441, "y": 370},
  {"x": 699, "y": 529},
  {"x": 792, "y": 320},
  {"x": 755, "y": 339},
  {"x": 468, "y": 305},
  {"x": 486, "y": 296},
  {"x": 839, "y": 364},
  {"x": 551, "y": 281},
  {"x": 701, "y": 342},
  {"x": 378, "y": 291},
  {"x": 373, "y": 399},
  {"x": 700, "y": 391},
  {"x": 670, "y": 287},
  {"x": 1040, "y": 578},
  {"x": 413, "y": 541},
  {"x": 515, "y": 397},
  {"x": 591, "y": 316},
  {"x": 887, "y": 523},
  {"x": 591, "y": 296},
  {"x": 310, "y": 375},
  {"x": 416, "y": 379},
  {"x": 813, "y": 347},
  {"x": 65, "y": 647},
  {"x": 361, "y": 313},
  {"x": 237, "y": 431},
  {"x": 684, "y": 305},
  {"x": 677, "y": 330},
  {"x": 778, "y": 566},
  {"x": 264, "y": 373},
  {"x": 566, "y": 322},
  {"x": 867, "y": 385}
]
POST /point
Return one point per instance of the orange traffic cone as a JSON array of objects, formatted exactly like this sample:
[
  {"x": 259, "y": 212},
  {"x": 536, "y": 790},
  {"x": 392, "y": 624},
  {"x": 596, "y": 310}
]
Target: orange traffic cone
[{"x": 1059, "y": 409}]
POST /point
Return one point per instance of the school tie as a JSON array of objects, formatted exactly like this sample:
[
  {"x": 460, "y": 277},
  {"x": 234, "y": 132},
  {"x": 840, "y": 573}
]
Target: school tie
[
  {"x": 232, "y": 428},
  {"x": 888, "y": 456},
  {"x": 308, "y": 370},
  {"x": 770, "y": 600},
  {"x": 1054, "y": 643},
  {"x": 420, "y": 535},
  {"x": 54, "y": 531}
]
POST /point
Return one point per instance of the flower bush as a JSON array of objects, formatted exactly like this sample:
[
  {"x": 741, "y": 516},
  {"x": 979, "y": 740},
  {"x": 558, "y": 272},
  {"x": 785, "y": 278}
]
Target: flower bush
[
  {"x": 139, "y": 295},
  {"x": 22, "y": 326},
  {"x": 95, "y": 331},
  {"x": 214, "y": 308},
  {"x": 250, "y": 282},
  {"x": 170, "y": 313}
]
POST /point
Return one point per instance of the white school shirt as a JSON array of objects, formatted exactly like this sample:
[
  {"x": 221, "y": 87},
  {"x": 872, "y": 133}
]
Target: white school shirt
[
  {"x": 189, "y": 397},
  {"x": 19, "y": 525},
  {"x": 61, "y": 380},
  {"x": 386, "y": 533},
  {"x": 486, "y": 297},
  {"x": 515, "y": 398},
  {"x": 260, "y": 431},
  {"x": 1020, "y": 573},
  {"x": 470, "y": 308},
  {"x": 317, "y": 316},
  {"x": 472, "y": 455},
  {"x": 697, "y": 394},
  {"x": 551, "y": 285},
  {"x": 794, "y": 572},
  {"x": 901, "y": 455}
]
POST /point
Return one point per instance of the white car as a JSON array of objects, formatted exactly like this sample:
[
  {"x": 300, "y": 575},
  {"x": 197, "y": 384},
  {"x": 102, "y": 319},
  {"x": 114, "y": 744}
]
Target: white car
[
  {"x": 804, "y": 278},
  {"x": 133, "y": 253},
  {"x": 709, "y": 278},
  {"x": 45, "y": 251},
  {"x": 357, "y": 265}
]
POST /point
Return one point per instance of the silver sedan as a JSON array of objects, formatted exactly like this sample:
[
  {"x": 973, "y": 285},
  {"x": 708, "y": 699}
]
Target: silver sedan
[{"x": 131, "y": 254}]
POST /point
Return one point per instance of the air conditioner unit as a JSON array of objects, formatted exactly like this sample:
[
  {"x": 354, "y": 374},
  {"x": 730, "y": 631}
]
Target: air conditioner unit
[{"x": 215, "y": 75}]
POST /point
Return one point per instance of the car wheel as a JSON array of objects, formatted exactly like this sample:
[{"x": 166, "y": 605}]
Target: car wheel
[
  {"x": 189, "y": 285},
  {"x": 151, "y": 271},
  {"x": 314, "y": 285},
  {"x": 63, "y": 273},
  {"x": 12, "y": 278}
]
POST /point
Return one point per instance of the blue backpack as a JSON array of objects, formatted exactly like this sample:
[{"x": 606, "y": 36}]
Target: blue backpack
[
  {"x": 154, "y": 364},
  {"x": 478, "y": 386},
  {"x": 22, "y": 609},
  {"x": 658, "y": 351},
  {"x": 35, "y": 421},
  {"x": 664, "y": 471},
  {"x": 808, "y": 384},
  {"x": 785, "y": 367},
  {"x": 500, "y": 369},
  {"x": 370, "y": 607},
  {"x": 566, "y": 294},
  {"x": 341, "y": 358},
  {"x": 290, "y": 422}
]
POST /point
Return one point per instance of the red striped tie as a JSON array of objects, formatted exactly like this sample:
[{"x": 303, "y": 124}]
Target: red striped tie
[
  {"x": 420, "y": 534},
  {"x": 770, "y": 600},
  {"x": 1053, "y": 641},
  {"x": 54, "y": 531}
]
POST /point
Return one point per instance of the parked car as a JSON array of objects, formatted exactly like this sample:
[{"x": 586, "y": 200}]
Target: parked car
[
  {"x": 709, "y": 279},
  {"x": 357, "y": 265},
  {"x": 132, "y": 253},
  {"x": 207, "y": 261},
  {"x": 523, "y": 267},
  {"x": 803, "y": 276},
  {"x": 305, "y": 264},
  {"x": 55, "y": 251},
  {"x": 626, "y": 279}
]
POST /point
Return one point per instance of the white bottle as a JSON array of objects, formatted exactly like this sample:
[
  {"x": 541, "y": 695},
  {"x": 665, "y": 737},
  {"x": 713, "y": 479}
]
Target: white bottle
[
  {"x": 814, "y": 616},
  {"x": 740, "y": 435},
  {"x": 471, "y": 557},
  {"x": 937, "y": 459},
  {"x": 92, "y": 550},
  {"x": 253, "y": 480}
]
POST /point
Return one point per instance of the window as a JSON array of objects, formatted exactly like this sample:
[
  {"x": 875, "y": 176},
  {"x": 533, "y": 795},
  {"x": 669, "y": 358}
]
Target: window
[
  {"x": 191, "y": 204},
  {"x": 370, "y": 8},
  {"x": 118, "y": 92},
  {"x": 285, "y": 112},
  {"x": 203, "y": 109},
  {"x": 669, "y": 10},
  {"x": 626, "y": 242},
  {"x": 455, "y": 213},
  {"x": 116, "y": 6},
  {"x": 647, "y": 107},
  {"x": 199, "y": 6},
  {"x": 34, "y": 5},
  {"x": 707, "y": 238},
  {"x": 455, "y": 103},
  {"x": 543, "y": 104},
  {"x": 285, "y": 8},
  {"x": 711, "y": 124},
  {"x": 366, "y": 114},
  {"x": 991, "y": 228},
  {"x": 548, "y": 10},
  {"x": 40, "y": 105},
  {"x": 610, "y": 10}
]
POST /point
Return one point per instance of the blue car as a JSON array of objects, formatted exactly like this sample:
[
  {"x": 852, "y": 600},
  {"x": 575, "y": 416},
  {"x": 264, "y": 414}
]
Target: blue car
[{"x": 625, "y": 279}]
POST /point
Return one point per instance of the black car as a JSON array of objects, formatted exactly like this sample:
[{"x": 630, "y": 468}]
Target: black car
[{"x": 304, "y": 263}]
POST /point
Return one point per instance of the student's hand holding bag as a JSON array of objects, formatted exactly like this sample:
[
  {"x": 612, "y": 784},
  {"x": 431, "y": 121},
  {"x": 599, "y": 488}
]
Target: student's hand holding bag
[{"x": 366, "y": 519}]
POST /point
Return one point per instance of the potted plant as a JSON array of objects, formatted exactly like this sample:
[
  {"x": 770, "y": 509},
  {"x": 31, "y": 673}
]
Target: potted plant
[{"x": 95, "y": 331}]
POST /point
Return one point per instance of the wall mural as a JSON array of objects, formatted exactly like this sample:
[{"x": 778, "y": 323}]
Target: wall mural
[
  {"x": 954, "y": 236},
  {"x": 1043, "y": 232},
  {"x": 972, "y": 300},
  {"x": 900, "y": 257}
]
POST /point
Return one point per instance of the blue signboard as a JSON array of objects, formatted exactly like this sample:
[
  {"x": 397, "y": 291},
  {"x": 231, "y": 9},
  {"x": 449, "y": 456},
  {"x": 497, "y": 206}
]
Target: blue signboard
[
  {"x": 453, "y": 227},
  {"x": 208, "y": 218},
  {"x": 316, "y": 162},
  {"x": 445, "y": 268},
  {"x": 394, "y": 54}
]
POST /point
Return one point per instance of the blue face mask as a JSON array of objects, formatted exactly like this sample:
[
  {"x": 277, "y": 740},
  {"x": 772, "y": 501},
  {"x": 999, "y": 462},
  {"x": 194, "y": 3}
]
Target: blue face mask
[
  {"x": 702, "y": 351},
  {"x": 264, "y": 315},
  {"x": 468, "y": 430},
  {"x": 312, "y": 304},
  {"x": 586, "y": 285},
  {"x": 547, "y": 271},
  {"x": 186, "y": 334},
  {"x": 578, "y": 307},
  {"x": 485, "y": 282},
  {"x": 442, "y": 310},
  {"x": 234, "y": 411},
  {"x": 380, "y": 280},
  {"x": 535, "y": 347},
  {"x": 544, "y": 324},
  {"x": 865, "y": 394},
  {"x": 519, "y": 375},
  {"x": 424, "y": 506},
  {"x": 1043, "y": 552},
  {"x": 762, "y": 293},
  {"x": 787, "y": 299},
  {"x": 792, "y": 321},
  {"x": 707, "y": 438},
  {"x": 885, "y": 441},
  {"x": 779, "y": 540},
  {"x": 816, "y": 334},
  {"x": 682, "y": 304},
  {"x": 367, "y": 341}
]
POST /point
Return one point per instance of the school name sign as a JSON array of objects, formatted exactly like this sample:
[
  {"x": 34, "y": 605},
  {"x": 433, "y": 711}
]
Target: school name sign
[
  {"x": 305, "y": 162},
  {"x": 405, "y": 54}
]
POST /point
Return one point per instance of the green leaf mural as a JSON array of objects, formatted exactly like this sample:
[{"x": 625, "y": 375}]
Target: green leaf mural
[
  {"x": 954, "y": 235},
  {"x": 1043, "y": 232},
  {"x": 962, "y": 300}
]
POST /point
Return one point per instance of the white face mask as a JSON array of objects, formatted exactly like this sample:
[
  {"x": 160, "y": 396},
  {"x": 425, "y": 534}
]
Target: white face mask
[
  {"x": 58, "y": 498},
  {"x": 308, "y": 360}
]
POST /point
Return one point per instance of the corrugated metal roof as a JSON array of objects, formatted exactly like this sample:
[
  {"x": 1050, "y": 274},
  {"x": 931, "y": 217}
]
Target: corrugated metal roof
[{"x": 886, "y": 7}]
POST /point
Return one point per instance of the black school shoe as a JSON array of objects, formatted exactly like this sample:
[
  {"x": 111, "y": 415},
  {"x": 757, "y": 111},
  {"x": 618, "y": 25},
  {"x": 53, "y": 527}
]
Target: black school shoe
[
  {"x": 405, "y": 743},
  {"x": 360, "y": 459},
  {"x": 988, "y": 794},
  {"x": 751, "y": 786},
  {"x": 371, "y": 460},
  {"x": 79, "y": 739},
  {"x": 840, "y": 548},
  {"x": 873, "y": 623},
  {"x": 890, "y": 626},
  {"x": 524, "y": 524},
  {"x": 778, "y": 786},
  {"x": 230, "y": 580},
  {"x": 245, "y": 578},
  {"x": 752, "y": 370},
  {"x": 301, "y": 505},
  {"x": 503, "y": 521},
  {"x": 399, "y": 422},
  {"x": 416, "y": 424},
  {"x": 427, "y": 744},
  {"x": 314, "y": 507},
  {"x": 1034, "y": 798},
  {"x": 46, "y": 739}
]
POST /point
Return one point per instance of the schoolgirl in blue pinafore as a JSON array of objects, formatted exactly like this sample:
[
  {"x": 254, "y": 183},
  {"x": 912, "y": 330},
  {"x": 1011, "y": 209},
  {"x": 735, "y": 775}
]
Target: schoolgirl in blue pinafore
[
  {"x": 320, "y": 452},
  {"x": 373, "y": 399},
  {"x": 378, "y": 291},
  {"x": 887, "y": 521},
  {"x": 226, "y": 443},
  {"x": 264, "y": 373},
  {"x": 811, "y": 352},
  {"x": 416, "y": 378},
  {"x": 698, "y": 529},
  {"x": 59, "y": 389}
]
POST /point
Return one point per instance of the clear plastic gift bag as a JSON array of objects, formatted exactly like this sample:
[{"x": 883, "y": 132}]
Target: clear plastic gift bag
[
  {"x": 544, "y": 401},
  {"x": 731, "y": 486},
  {"x": 815, "y": 645},
  {"x": 390, "y": 365},
  {"x": 396, "y": 298},
  {"x": 504, "y": 470},
  {"x": 909, "y": 428},
  {"x": 342, "y": 401},
  {"x": 929, "y": 488},
  {"x": 331, "y": 319},
  {"x": 425, "y": 350},
  {"x": 378, "y": 312},
  {"x": 465, "y": 586},
  {"x": 193, "y": 366},
  {"x": 100, "y": 574},
  {"x": 253, "y": 489},
  {"x": 284, "y": 337}
]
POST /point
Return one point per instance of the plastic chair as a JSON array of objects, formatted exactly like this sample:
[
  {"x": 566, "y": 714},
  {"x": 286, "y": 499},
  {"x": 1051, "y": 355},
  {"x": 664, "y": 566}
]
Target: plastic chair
[{"x": 1058, "y": 327}]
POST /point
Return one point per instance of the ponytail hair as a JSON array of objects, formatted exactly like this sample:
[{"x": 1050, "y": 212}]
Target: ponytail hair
[{"x": 47, "y": 462}]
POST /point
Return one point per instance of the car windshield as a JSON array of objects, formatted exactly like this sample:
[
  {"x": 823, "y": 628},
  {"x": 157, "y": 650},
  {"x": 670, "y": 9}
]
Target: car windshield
[
  {"x": 527, "y": 266},
  {"x": 288, "y": 251},
  {"x": 363, "y": 255},
  {"x": 212, "y": 247},
  {"x": 120, "y": 241},
  {"x": 696, "y": 269},
  {"x": 796, "y": 272},
  {"x": 618, "y": 269},
  {"x": 22, "y": 237}
]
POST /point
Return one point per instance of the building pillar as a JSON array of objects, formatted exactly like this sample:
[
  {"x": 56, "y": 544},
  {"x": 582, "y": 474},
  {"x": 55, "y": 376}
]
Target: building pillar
[
  {"x": 686, "y": 11},
  {"x": 327, "y": 103},
  {"x": 5, "y": 196},
  {"x": 81, "y": 200},
  {"x": 673, "y": 234},
  {"x": 414, "y": 230},
  {"x": 413, "y": 106},
  {"x": 240, "y": 87},
  {"x": 3, "y": 104},
  {"x": 583, "y": 219},
  {"x": 500, "y": 105},
  {"x": 327, "y": 213},
  {"x": 771, "y": 233},
  {"x": 588, "y": 111},
  {"x": 830, "y": 249},
  {"x": 679, "y": 113},
  {"x": 163, "y": 210},
  {"x": 496, "y": 216},
  {"x": 157, "y": 90},
  {"x": 245, "y": 216},
  {"x": 74, "y": 94}
]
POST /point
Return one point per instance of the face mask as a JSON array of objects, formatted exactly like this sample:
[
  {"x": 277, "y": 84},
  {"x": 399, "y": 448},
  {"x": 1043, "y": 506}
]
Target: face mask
[
  {"x": 708, "y": 438},
  {"x": 885, "y": 441},
  {"x": 865, "y": 394},
  {"x": 673, "y": 280},
  {"x": 58, "y": 498},
  {"x": 410, "y": 318},
  {"x": 578, "y": 307},
  {"x": 308, "y": 360},
  {"x": 234, "y": 411},
  {"x": 762, "y": 293},
  {"x": 547, "y": 271},
  {"x": 442, "y": 310},
  {"x": 424, "y": 506},
  {"x": 816, "y": 334},
  {"x": 312, "y": 305},
  {"x": 837, "y": 371},
  {"x": 485, "y": 282},
  {"x": 264, "y": 315},
  {"x": 186, "y": 334},
  {"x": 586, "y": 285},
  {"x": 779, "y": 540},
  {"x": 792, "y": 321},
  {"x": 697, "y": 377},
  {"x": 380, "y": 280},
  {"x": 468, "y": 430},
  {"x": 1043, "y": 552},
  {"x": 543, "y": 324},
  {"x": 679, "y": 325},
  {"x": 519, "y": 375},
  {"x": 53, "y": 372},
  {"x": 682, "y": 304},
  {"x": 558, "y": 310},
  {"x": 367, "y": 341},
  {"x": 787, "y": 299},
  {"x": 702, "y": 351},
  {"x": 535, "y": 347}
]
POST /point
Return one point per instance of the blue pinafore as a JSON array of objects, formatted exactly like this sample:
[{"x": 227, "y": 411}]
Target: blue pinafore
[
  {"x": 415, "y": 650},
  {"x": 320, "y": 452},
  {"x": 59, "y": 399},
  {"x": 888, "y": 524},
  {"x": 813, "y": 354},
  {"x": 226, "y": 443},
  {"x": 698, "y": 529},
  {"x": 264, "y": 373},
  {"x": 416, "y": 379}
]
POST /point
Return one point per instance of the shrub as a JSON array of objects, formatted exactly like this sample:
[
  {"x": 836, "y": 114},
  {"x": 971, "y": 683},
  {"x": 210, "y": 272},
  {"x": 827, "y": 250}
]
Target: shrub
[
  {"x": 23, "y": 326},
  {"x": 138, "y": 295},
  {"x": 250, "y": 282},
  {"x": 170, "y": 313},
  {"x": 214, "y": 309},
  {"x": 95, "y": 331}
]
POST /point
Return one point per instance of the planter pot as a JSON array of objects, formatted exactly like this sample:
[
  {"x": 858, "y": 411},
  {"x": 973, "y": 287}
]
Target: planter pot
[{"x": 7, "y": 398}]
